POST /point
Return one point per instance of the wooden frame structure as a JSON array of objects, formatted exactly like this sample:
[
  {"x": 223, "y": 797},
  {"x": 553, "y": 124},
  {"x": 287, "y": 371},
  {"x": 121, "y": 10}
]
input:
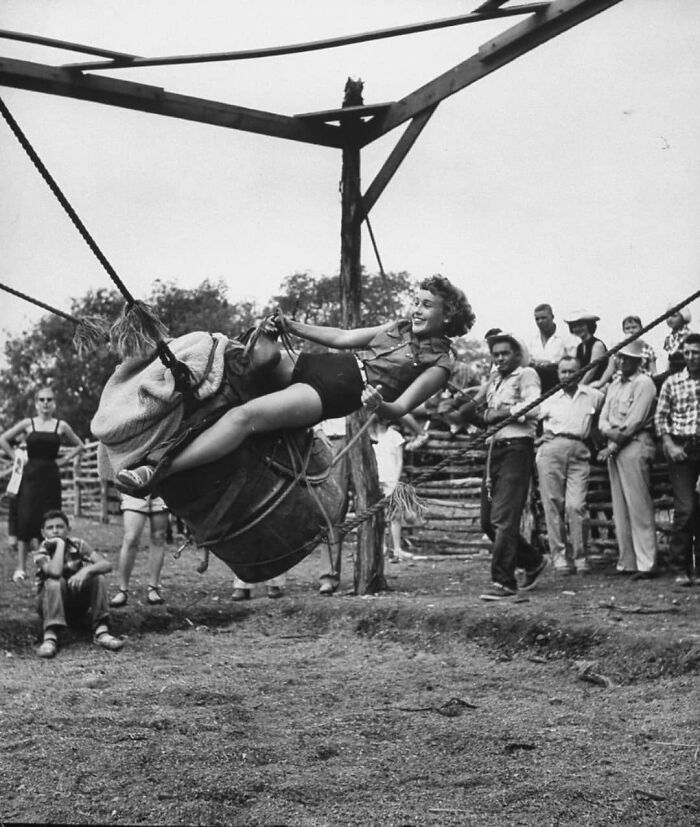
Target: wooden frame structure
[{"x": 350, "y": 128}]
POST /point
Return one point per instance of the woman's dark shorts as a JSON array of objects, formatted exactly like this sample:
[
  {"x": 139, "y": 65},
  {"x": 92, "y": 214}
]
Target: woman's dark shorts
[{"x": 335, "y": 377}]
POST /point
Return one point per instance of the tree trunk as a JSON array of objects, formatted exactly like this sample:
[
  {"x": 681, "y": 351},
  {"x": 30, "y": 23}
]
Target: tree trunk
[{"x": 369, "y": 560}]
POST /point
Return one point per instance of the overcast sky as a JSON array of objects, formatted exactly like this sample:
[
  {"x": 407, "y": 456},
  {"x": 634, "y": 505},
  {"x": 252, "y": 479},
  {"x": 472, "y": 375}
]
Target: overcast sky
[{"x": 569, "y": 176}]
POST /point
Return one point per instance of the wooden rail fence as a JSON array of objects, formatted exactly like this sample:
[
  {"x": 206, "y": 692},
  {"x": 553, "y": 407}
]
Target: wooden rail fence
[{"x": 451, "y": 523}]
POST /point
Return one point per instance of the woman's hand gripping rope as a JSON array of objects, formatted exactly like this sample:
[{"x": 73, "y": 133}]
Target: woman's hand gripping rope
[{"x": 371, "y": 399}]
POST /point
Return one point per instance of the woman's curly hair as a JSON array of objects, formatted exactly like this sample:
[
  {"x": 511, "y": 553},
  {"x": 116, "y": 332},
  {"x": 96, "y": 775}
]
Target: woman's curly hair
[{"x": 459, "y": 316}]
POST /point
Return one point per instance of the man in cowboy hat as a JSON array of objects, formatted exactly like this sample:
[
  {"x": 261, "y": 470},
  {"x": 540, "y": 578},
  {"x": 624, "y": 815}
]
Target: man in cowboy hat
[
  {"x": 626, "y": 421},
  {"x": 512, "y": 386}
]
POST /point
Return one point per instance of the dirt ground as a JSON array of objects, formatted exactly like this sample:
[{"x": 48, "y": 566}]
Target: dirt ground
[{"x": 418, "y": 706}]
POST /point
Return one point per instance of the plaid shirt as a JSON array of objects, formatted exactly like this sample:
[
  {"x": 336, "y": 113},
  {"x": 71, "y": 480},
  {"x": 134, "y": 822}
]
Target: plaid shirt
[
  {"x": 678, "y": 409},
  {"x": 674, "y": 340}
]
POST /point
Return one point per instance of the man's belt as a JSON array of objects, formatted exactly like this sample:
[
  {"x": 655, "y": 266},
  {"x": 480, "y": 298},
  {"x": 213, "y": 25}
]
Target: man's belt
[
  {"x": 514, "y": 440},
  {"x": 570, "y": 436}
]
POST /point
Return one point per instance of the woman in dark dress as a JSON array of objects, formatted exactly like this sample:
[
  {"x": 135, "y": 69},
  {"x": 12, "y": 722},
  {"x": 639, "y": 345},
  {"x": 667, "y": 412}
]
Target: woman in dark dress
[{"x": 40, "y": 489}]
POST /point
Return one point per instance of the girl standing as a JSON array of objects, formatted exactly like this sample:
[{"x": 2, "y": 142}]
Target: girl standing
[{"x": 40, "y": 489}]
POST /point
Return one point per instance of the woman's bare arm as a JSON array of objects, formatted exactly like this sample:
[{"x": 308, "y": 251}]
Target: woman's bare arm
[
  {"x": 431, "y": 381},
  {"x": 335, "y": 337},
  {"x": 65, "y": 430}
]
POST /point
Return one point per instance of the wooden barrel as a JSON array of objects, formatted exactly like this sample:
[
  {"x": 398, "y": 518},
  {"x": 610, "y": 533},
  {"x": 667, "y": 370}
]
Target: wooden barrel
[{"x": 260, "y": 507}]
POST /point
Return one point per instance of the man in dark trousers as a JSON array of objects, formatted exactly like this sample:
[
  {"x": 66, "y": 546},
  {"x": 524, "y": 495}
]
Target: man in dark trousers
[
  {"x": 677, "y": 422},
  {"x": 511, "y": 387}
]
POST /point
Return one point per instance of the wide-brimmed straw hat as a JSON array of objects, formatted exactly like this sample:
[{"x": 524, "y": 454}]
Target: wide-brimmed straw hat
[
  {"x": 581, "y": 316},
  {"x": 634, "y": 349}
]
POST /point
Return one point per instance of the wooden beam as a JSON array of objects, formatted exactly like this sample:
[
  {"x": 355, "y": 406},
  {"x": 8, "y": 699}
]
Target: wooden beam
[
  {"x": 53, "y": 80},
  {"x": 490, "y": 5},
  {"x": 558, "y": 17},
  {"x": 21, "y": 37},
  {"x": 392, "y": 163},
  {"x": 314, "y": 45},
  {"x": 344, "y": 113}
]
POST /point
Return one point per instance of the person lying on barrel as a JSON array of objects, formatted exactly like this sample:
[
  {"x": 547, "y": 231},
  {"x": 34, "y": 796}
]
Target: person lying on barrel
[{"x": 396, "y": 366}]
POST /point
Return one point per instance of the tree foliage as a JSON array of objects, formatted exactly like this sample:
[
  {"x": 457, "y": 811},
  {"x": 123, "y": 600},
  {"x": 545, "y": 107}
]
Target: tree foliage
[{"x": 316, "y": 300}]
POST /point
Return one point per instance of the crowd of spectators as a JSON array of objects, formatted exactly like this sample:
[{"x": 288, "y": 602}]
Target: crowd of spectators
[{"x": 617, "y": 411}]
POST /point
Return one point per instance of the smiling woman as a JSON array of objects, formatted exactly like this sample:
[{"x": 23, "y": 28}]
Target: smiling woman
[{"x": 395, "y": 368}]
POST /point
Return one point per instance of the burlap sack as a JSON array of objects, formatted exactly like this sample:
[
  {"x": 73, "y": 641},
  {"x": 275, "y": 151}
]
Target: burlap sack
[{"x": 139, "y": 406}]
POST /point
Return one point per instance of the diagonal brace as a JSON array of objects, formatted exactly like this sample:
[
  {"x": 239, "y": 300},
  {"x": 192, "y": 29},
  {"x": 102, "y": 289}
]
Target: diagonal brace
[{"x": 393, "y": 162}]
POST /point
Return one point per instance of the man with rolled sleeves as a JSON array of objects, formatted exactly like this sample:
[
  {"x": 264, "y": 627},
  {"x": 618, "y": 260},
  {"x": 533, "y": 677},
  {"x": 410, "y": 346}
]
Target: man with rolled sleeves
[
  {"x": 563, "y": 466},
  {"x": 626, "y": 421},
  {"x": 511, "y": 387}
]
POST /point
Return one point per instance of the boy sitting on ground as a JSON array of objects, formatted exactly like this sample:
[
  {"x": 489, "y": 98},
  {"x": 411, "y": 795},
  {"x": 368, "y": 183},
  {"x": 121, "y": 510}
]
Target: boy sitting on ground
[{"x": 70, "y": 583}]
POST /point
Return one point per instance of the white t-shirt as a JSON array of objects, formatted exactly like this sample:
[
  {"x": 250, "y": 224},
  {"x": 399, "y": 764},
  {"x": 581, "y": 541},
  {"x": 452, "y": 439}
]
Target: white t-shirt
[{"x": 559, "y": 344}]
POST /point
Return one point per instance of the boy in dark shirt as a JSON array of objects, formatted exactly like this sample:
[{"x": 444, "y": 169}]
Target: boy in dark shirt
[{"x": 70, "y": 582}]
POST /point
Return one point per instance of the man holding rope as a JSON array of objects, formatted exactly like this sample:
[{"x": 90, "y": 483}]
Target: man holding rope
[{"x": 512, "y": 386}]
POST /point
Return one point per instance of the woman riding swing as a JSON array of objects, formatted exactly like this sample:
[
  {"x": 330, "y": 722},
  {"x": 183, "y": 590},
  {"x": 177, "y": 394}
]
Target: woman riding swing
[{"x": 398, "y": 365}]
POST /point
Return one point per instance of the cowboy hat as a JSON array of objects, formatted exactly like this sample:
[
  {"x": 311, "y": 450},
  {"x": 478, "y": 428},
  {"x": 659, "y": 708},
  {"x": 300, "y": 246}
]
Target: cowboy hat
[
  {"x": 581, "y": 316},
  {"x": 635, "y": 349}
]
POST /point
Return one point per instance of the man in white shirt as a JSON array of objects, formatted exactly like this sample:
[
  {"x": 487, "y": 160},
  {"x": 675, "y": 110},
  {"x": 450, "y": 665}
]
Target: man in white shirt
[
  {"x": 549, "y": 346},
  {"x": 563, "y": 467}
]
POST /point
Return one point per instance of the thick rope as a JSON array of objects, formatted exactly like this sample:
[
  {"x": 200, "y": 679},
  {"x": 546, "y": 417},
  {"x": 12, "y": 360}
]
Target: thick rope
[
  {"x": 346, "y": 448},
  {"x": 63, "y": 201},
  {"x": 40, "y": 304},
  {"x": 90, "y": 331},
  {"x": 180, "y": 372}
]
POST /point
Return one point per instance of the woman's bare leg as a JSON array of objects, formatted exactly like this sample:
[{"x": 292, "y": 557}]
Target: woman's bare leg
[{"x": 294, "y": 407}]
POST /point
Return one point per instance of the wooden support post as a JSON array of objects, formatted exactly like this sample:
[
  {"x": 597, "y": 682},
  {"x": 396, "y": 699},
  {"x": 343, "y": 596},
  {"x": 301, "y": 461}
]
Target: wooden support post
[
  {"x": 77, "y": 504},
  {"x": 369, "y": 561}
]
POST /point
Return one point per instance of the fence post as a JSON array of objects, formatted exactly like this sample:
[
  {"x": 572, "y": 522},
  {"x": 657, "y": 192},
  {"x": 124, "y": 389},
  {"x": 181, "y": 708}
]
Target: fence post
[{"x": 77, "y": 506}]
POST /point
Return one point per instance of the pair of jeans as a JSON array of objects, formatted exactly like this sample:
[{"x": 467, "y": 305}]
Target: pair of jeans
[
  {"x": 59, "y": 605},
  {"x": 685, "y": 537},
  {"x": 510, "y": 466}
]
